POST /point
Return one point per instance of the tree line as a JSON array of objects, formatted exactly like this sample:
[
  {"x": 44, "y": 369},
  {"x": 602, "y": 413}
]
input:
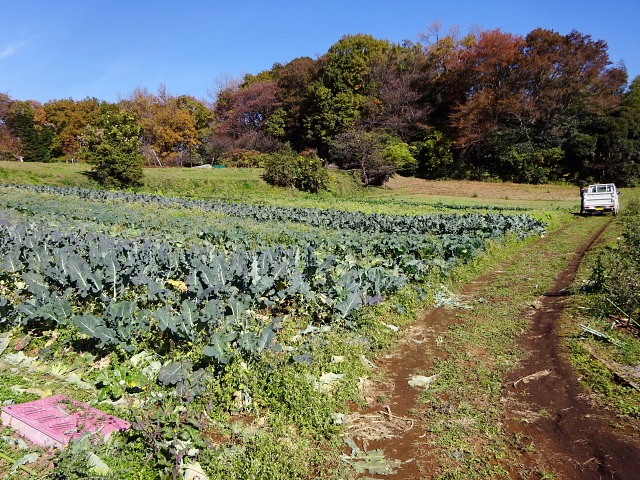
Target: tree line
[{"x": 486, "y": 104}]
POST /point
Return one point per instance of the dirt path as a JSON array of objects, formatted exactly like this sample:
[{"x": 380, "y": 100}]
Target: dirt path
[
  {"x": 572, "y": 438},
  {"x": 578, "y": 439},
  {"x": 402, "y": 433}
]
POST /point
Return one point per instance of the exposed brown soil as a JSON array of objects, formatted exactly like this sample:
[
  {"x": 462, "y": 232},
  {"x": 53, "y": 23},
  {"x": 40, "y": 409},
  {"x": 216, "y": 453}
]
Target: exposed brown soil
[
  {"x": 391, "y": 424},
  {"x": 483, "y": 190},
  {"x": 544, "y": 402},
  {"x": 573, "y": 437}
]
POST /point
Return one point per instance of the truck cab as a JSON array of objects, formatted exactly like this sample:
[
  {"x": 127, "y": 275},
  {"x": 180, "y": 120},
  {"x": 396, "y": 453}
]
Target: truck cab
[{"x": 601, "y": 198}]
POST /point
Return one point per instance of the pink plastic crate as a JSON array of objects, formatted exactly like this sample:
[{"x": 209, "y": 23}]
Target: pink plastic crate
[{"x": 57, "y": 420}]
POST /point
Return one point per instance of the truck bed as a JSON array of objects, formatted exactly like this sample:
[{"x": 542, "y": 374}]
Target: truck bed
[{"x": 601, "y": 198}]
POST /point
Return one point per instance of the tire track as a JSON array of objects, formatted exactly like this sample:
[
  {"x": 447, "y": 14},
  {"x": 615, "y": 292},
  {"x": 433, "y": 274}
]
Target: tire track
[{"x": 573, "y": 437}]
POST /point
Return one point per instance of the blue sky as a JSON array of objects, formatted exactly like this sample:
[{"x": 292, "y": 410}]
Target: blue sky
[{"x": 106, "y": 48}]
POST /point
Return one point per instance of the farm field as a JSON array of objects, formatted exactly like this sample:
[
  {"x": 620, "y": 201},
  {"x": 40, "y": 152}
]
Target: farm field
[
  {"x": 246, "y": 185},
  {"x": 274, "y": 338}
]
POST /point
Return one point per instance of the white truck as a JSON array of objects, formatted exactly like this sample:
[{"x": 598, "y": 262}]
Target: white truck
[{"x": 600, "y": 198}]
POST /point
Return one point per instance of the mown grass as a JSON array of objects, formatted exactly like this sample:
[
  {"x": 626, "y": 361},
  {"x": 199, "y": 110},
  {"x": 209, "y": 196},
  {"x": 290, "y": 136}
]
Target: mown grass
[
  {"x": 463, "y": 408},
  {"x": 399, "y": 196},
  {"x": 233, "y": 184}
]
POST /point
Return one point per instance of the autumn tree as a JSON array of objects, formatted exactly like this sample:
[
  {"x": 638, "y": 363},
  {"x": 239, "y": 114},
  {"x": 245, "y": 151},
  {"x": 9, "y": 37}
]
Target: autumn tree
[
  {"x": 68, "y": 118},
  {"x": 493, "y": 97},
  {"x": 526, "y": 96},
  {"x": 173, "y": 128},
  {"x": 10, "y": 144},
  {"x": 395, "y": 104},
  {"x": 364, "y": 151},
  {"x": 248, "y": 117}
]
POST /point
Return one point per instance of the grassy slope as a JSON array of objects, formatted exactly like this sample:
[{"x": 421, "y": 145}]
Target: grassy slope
[{"x": 246, "y": 185}]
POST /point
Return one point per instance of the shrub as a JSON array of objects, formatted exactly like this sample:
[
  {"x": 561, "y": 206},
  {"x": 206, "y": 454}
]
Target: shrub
[
  {"x": 242, "y": 158},
  {"x": 289, "y": 169},
  {"x": 617, "y": 270}
]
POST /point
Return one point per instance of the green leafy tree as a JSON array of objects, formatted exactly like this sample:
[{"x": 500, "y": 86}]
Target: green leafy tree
[
  {"x": 349, "y": 62},
  {"x": 632, "y": 96},
  {"x": 276, "y": 124},
  {"x": 435, "y": 156},
  {"x": 330, "y": 115},
  {"x": 401, "y": 155},
  {"x": 529, "y": 163},
  {"x": 112, "y": 146},
  {"x": 617, "y": 153},
  {"x": 346, "y": 88},
  {"x": 295, "y": 81},
  {"x": 305, "y": 172}
]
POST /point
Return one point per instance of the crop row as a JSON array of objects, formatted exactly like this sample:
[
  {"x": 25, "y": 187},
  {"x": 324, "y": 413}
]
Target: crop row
[
  {"x": 120, "y": 290},
  {"x": 229, "y": 284},
  {"x": 477, "y": 224},
  {"x": 413, "y": 254}
]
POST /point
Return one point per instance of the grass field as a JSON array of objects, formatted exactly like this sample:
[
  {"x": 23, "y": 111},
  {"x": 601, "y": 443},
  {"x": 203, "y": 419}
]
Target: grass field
[{"x": 246, "y": 184}]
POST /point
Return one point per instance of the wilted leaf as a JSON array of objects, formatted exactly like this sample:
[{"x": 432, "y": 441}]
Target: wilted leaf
[
  {"x": 422, "y": 381},
  {"x": 173, "y": 373},
  {"x": 328, "y": 378},
  {"x": 29, "y": 458},
  {"x": 75, "y": 379},
  {"x": 372, "y": 461},
  {"x": 96, "y": 465},
  {"x": 193, "y": 471}
]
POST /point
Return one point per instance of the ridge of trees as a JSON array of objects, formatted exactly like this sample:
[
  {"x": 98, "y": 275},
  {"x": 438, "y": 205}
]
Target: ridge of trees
[{"x": 488, "y": 104}]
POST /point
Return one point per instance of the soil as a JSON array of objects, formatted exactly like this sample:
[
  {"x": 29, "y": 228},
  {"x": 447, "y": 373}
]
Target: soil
[
  {"x": 579, "y": 440},
  {"x": 543, "y": 401},
  {"x": 483, "y": 190},
  {"x": 391, "y": 425}
]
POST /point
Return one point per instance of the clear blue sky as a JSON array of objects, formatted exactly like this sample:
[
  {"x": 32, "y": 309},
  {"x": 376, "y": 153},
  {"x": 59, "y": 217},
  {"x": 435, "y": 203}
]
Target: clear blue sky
[{"x": 106, "y": 48}]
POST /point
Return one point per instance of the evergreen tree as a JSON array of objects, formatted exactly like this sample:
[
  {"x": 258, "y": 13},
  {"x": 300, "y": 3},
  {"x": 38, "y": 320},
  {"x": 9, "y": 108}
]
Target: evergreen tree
[{"x": 112, "y": 146}]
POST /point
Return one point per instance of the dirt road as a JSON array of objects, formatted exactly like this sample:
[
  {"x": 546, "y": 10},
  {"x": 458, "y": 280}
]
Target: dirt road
[
  {"x": 574, "y": 437},
  {"x": 541, "y": 403}
]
